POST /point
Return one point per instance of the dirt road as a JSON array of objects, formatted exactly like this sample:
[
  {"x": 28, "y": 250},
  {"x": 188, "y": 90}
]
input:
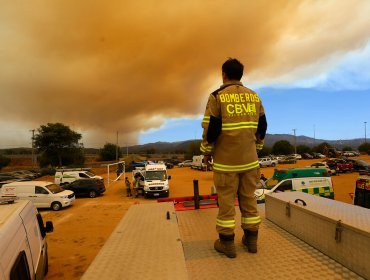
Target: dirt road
[{"x": 81, "y": 230}]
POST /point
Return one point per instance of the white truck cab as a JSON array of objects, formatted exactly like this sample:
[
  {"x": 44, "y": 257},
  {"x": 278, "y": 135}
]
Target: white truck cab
[
  {"x": 66, "y": 176},
  {"x": 154, "y": 179},
  {"x": 23, "y": 246},
  {"x": 43, "y": 194},
  {"x": 200, "y": 164},
  {"x": 266, "y": 162}
]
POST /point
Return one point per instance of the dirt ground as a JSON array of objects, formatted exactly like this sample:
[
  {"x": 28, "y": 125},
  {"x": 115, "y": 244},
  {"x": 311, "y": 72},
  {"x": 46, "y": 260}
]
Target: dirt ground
[{"x": 82, "y": 229}]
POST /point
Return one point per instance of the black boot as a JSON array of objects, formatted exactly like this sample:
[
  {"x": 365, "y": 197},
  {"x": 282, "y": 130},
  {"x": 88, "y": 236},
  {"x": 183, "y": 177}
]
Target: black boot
[
  {"x": 226, "y": 245},
  {"x": 250, "y": 240}
]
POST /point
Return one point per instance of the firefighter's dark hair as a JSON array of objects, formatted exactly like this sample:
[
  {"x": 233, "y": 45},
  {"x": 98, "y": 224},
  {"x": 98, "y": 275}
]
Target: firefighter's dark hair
[{"x": 233, "y": 69}]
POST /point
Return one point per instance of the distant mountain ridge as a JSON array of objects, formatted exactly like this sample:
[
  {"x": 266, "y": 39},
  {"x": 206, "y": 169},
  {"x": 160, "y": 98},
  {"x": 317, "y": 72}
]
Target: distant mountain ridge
[
  {"x": 183, "y": 146},
  {"x": 164, "y": 147}
]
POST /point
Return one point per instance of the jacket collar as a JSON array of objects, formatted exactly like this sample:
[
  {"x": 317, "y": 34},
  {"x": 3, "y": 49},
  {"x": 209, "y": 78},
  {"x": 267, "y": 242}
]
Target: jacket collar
[{"x": 229, "y": 83}]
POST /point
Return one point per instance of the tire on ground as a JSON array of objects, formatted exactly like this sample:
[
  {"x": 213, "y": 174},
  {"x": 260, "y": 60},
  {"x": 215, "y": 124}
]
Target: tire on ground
[{"x": 56, "y": 206}]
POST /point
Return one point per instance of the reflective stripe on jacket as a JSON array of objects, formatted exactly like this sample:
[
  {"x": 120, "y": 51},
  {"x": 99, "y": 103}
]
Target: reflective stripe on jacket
[{"x": 237, "y": 109}]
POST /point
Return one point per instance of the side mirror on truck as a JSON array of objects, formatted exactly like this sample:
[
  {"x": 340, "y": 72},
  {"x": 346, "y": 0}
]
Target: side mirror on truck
[{"x": 49, "y": 227}]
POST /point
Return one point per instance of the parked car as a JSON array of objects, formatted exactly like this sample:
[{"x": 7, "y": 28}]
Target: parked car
[
  {"x": 173, "y": 161},
  {"x": 340, "y": 165},
  {"x": 86, "y": 187},
  {"x": 23, "y": 245},
  {"x": 169, "y": 165},
  {"x": 265, "y": 162},
  {"x": 348, "y": 154},
  {"x": 360, "y": 165},
  {"x": 307, "y": 156},
  {"x": 42, "y": 194},
  {"x": 297, "y": 156},
  {"x": 21, "y": 175},
  {"x": 186, "y": 163},
  {"x": 318, "y": 155},
  {"x": 65, "y": 176},
  {"x": 288, "y": 160},
  {"x": 9, "y": 177},
  {"x": 24, "y": 174},
  {"x": 332, "y": 171}
]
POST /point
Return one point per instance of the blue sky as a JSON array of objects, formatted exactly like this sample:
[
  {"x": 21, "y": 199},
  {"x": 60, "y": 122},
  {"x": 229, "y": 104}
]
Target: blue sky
[{"x": 332, "y": 105}]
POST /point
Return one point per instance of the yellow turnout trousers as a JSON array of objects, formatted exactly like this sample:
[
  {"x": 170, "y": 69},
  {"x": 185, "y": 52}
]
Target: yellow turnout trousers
[{"x": 241, "y": 185}]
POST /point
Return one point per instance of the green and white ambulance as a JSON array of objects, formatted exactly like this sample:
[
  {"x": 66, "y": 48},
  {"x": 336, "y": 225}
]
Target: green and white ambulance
[{"x": 316, "y": 181}]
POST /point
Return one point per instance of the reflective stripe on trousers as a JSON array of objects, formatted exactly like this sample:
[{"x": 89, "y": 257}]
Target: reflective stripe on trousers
[
  {"x": 225, "y": 223},
  {"x": 251, "y": 220},
  {"x": 232, "y": 185}
]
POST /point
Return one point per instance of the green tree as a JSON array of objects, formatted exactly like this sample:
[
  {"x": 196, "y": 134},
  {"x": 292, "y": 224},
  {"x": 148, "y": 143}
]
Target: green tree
[
  {"x": 109, "y": 152},
  {"x": 265, "y": 151},
  {"x": 282, "y": 147},
  {"x": 364, "y": 148},
  {"x": 4, "y": 161},
  {"x": 301, "y": 149},
  {"x": 347, "y": 148},
  {"x": 322, "y": 148},
  {"x": 193, "y": 149},
  {"x": 58, "y": 145}
]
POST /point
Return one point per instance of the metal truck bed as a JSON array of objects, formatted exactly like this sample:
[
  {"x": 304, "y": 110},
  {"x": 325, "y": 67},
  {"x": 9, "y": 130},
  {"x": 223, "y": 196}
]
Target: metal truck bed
[
  {"x": 148, "y": 245},
  {"x": 339, "y": 230}
]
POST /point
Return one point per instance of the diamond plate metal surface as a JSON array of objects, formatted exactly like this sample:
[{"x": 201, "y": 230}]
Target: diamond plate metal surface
[
  {"x": 350, "y": 215},
  {"x": 280, "y": 254},
  {"x": 144, "y": 245},
  {"x": 317, "y": 224}
]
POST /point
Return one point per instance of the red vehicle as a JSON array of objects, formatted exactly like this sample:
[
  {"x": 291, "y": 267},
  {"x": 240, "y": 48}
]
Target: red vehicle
[
  {"x": 362, "y": 191},
  {"x": 340, "y": 165}
]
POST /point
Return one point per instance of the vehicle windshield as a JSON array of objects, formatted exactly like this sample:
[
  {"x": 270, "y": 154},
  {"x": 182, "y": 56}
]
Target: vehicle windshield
[
  {"x": 156, "y": 175},
  {"x": 270, "y": 183},
  {"x": 54, "y": 188}
]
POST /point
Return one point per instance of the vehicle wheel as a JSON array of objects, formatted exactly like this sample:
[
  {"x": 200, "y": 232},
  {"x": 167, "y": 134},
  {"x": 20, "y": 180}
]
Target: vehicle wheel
[
  {"x": 92, "y": 194},
  {"x": 273, "y": 164},
  {"x": 56, "y": 206}
]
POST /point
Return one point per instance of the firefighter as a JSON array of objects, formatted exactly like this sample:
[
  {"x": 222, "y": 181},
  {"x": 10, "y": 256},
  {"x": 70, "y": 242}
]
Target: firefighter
[
  {"x": 234, "y": 127},
  {"x": 128, "y": 187},
  {"x": 263, "y": 178},
  {"x": 136, "y": 184}
]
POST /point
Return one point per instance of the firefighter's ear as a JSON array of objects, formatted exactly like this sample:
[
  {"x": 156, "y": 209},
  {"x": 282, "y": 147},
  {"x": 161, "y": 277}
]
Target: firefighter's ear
[{"x": 225, "y": 78}]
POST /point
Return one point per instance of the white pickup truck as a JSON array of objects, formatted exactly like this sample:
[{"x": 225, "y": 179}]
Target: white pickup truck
[{"x": 265, "y": 162}]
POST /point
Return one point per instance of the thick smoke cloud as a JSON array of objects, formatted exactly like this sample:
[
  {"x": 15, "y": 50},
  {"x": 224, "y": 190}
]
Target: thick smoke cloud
[{"x": 127, "y": 65}]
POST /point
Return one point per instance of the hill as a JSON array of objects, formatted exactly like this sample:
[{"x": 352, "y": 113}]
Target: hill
[{"x": 182, "y": 147}]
